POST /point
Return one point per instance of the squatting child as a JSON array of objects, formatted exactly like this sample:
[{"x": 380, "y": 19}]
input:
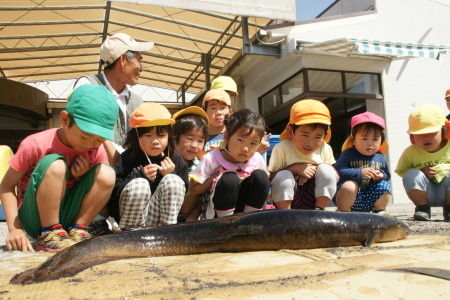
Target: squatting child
[
  {"x": 425, "y": 164},
  {"x": 300, "y": 165},
  {"x": 239, "y": 177},
  {"x": 363, "y": 171},
  {"x": 151, "y": 179},
  {"x": 61, "y": 174},
  {"x": 190, "y": 132}
]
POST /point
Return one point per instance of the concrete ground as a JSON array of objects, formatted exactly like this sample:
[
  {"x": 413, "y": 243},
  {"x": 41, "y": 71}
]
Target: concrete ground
[{"x": 415, "y": 268}]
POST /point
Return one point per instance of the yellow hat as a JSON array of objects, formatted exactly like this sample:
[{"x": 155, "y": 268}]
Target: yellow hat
[
  {"x": 218, "y": 95},
  {"x": 224, "y": 83},
  {"x": 308, "y": 111},
  {"x": 191, "y": 110},
  {"x": 426, "y": 119},
  {"x": 150, "y": 114}
]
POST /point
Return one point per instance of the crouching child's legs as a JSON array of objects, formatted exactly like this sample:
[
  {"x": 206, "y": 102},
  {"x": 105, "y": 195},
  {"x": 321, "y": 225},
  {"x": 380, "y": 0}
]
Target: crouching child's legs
[
  {"x": 326, "y": 184},
  {"x": 283, "y": 189},
  {"x": 253, "y": 192}
]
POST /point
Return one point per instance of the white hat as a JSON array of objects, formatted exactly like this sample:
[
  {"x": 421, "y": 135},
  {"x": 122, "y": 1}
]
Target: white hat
[{"x": 116, "y": 45}]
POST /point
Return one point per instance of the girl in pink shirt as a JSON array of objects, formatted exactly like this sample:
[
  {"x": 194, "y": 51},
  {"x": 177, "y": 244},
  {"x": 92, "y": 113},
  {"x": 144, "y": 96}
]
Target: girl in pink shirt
[{"x": 238, "y": 172}]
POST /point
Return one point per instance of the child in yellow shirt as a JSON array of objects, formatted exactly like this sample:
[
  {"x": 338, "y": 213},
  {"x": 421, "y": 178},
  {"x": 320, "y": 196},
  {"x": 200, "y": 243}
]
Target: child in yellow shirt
[{"x": 425, "y": 165}]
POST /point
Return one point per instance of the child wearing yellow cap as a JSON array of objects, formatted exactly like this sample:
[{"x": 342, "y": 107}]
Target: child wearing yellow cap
[
  {"x": 425, "y": 164},
  {"x": 151, "y": 180},
  {"x": 363, "y": 171},
  {"x": 300, "y": 165},
  {"x": 190, "y": 132}
]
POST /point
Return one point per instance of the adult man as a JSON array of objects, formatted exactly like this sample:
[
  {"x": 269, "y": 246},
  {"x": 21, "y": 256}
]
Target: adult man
[{"x": 121, "y": 56}]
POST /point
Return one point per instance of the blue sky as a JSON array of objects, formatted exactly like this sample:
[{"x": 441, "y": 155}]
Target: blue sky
[{"x": 309, "y": 9}]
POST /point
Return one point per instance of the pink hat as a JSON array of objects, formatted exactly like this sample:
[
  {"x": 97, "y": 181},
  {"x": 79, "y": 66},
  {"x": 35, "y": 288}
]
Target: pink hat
[{"x": 368, "y": 117}]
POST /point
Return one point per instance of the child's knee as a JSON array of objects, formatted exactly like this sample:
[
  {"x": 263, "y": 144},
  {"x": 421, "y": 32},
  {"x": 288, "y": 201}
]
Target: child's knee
[
  {"x": 284, "y": 179},
  {"x": 415, "y": 179},
  {"x": 105, "y": 176},
  {"x": 349, "y": 186},
  {"x": 327, "y": 174},
  {"x": 57, "y": 169}
]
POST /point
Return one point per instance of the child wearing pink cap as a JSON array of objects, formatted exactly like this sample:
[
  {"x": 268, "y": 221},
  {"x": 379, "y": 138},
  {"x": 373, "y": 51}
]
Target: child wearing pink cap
[{"x": 363, "y": 184}]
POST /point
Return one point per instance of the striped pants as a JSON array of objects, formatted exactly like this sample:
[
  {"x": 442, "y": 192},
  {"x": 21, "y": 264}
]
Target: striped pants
[{"x": 140, "y": 208}]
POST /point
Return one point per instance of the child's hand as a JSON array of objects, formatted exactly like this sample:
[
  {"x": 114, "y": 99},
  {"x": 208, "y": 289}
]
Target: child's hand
[
  {"x": 369, "y": 173},
  {"x": 150, "y": 171},
  {"x": 378, "y": 175},
  {"x": 79, "y": 167},
  {"x": 167, "y": 166},
  {"x": 429, "y": 172},
  {"x": 265, "y": 144},
  {"x": 304, "y": 170},
  {"x": 196, "y": 188},
  {"x": 18, "y": 240}
]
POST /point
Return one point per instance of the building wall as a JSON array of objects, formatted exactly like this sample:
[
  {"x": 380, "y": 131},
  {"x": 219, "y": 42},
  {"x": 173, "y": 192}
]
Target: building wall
[{"x": 406, "y": 83}]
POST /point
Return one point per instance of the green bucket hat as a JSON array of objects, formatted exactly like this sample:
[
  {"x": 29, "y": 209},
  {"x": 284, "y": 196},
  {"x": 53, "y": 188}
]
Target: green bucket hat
[{"x": 94, "y": 110}]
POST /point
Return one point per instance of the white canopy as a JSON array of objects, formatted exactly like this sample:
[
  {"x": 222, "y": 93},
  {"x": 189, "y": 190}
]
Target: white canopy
[{"x": 280, "y": 9}]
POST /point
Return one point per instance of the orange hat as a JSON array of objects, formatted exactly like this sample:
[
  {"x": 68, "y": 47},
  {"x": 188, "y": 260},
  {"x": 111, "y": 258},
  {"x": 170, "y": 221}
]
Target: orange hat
[
  {"x": 150, "y": 114},
  {"x": 308, "y": 111},
  {"x": 191, "y": 110},
  {"x": 218, "y": 95},
  {"x": 447, "y": 94}
]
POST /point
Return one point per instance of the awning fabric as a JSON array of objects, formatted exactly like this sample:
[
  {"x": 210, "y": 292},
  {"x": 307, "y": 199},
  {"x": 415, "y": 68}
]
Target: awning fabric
[
  {"x": 375, "y": 48},
  {"x": 280, "y": 9}
]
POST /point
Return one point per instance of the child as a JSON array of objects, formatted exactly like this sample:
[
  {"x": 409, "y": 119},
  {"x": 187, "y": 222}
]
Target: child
[
  {"x": 300, "y": 165},
  {"x": 217, "y": 105},
  {"x": 190, "y": 132},
  {"x": 151, "y": 181},
  {"x": 62, "y": 175},
  {"x": 240, "y": 182},
  {"x": 364, "y": 174},
  {"x": 425, "y": 165},
  {"x": 227, "y": 84}
]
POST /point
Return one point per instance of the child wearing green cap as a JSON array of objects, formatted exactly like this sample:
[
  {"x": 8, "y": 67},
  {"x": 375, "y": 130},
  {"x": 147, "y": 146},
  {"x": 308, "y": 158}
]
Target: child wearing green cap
[
  {"x": 61, "y": 175},
  {"x": 425, "y": 165}
]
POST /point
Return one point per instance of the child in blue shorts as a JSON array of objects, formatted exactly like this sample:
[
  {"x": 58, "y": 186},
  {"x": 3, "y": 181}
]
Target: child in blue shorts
[
  {"x": 61, "y": 175},
  {"x": 363, "y": 183}
]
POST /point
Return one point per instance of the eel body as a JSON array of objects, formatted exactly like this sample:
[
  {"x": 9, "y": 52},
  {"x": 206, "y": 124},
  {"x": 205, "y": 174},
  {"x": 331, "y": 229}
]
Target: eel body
[{"x": 264, "y": 230}]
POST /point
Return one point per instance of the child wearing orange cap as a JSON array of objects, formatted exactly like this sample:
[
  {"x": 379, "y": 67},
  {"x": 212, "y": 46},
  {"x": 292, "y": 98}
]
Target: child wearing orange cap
[
  {"x": 425, "y": 165},
  {"x": 300, "y": 165},
  {"x": 363, "y": 171},
  {"x": 238, "y": 172},
  {"x": 190, "y": 132},
  {"x": 217, "y": 105},
  {"x": 150, "y": 180}
]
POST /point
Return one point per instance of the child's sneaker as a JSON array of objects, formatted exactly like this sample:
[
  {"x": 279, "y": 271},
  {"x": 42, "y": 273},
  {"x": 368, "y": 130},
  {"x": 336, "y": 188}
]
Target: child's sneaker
[
  {"x": 79, "y": 233},
  {"x": 422, "y": 213},
  {"x": 380, "y": 212},
  {"x": 54, "y": 240},
  {"x": 446, "y": 212}
]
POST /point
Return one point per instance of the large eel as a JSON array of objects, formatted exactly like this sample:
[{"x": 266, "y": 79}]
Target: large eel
[{"x": 264, "y": 230}]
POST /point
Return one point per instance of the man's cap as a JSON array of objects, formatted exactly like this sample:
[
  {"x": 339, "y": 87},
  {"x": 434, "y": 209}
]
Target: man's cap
[
  {"x": 426, "y": 119},
  {"x": 116, "y": 45},
  {"x": 150, "y": 114},
  {"x": 307, "y": 111},
  {"x": 224, "y": 83},
  {"x": 218, "y": 95},
  {"x": 94, "y": 110},
  {"x": 447, "y": 94},
  {"x": 191, "y": 110},
  {"x": 366, "y": 117}
]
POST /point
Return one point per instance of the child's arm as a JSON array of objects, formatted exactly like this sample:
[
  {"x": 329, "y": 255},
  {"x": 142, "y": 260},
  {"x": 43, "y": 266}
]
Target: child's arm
[
  {"x": 79, "y": 167},
  {"x": 346, "y": 172},
  {"x": 17, "y": 238}
]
